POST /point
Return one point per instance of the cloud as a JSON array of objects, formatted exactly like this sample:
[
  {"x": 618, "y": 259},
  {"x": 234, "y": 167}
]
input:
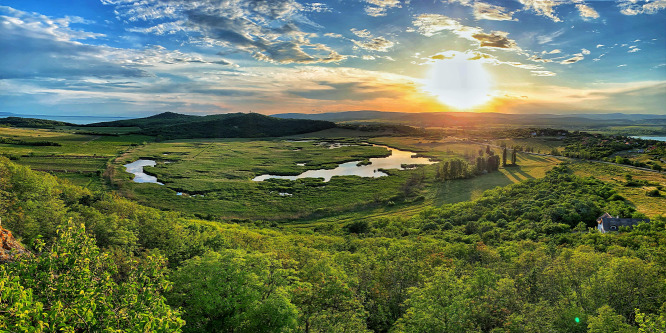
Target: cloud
[
  {"x": 269, "y": 30},
  {"x": 380, "y": 44},
  {"x": 585, "y": 51},
  {"x": 537, "y": 58},
  {"x": 485, "y": 11},
  {"x": 543, "y": 73},
  {"x": 380, "y": 7},
  {"x": 544, "y": 39},
  {"x": 317, "y": 7},
  {"x": 600, "y": 45},
  {"x": 634, "y": 49},
  {"x": 361, "y": 33},
  {"x": 587, "y": 11},
  {"x": 495, "y": 39},
  {"x": 574, "y": 59},
  {"x": 482, "y": 57},
  {"x": 635, "y": 7},
  {"x": 542, "y": 7},
  {"x": 37, "y": 46},
  {"x": 431, "y": 24}
]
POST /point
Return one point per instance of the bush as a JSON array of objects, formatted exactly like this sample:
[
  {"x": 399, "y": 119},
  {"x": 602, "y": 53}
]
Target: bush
[{"x": 653, "y": 193}]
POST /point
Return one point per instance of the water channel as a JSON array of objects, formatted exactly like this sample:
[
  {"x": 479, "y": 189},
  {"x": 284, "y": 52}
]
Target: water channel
[
  {"x": 136, "y": 168},
  {"x": 396, "y": 160}
]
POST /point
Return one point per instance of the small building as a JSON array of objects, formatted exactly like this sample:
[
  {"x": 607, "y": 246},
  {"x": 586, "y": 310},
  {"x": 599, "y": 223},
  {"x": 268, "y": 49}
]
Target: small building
[{"x": 607, "y": 222}]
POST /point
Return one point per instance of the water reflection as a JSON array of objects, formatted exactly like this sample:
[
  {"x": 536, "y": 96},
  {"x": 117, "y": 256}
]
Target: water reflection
[
  {"x": 136, "y": 168},
  {"x": 394, "y": 161}
]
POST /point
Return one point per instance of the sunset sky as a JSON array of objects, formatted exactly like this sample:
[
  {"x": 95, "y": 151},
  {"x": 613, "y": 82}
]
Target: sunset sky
[{"x": 141, "y": 57}]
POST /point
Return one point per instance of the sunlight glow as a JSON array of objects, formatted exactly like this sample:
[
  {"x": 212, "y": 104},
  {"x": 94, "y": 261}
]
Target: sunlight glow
[{"x": 459, "y": 83}]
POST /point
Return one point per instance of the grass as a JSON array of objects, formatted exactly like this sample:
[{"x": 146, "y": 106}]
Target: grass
[
  {"x": 615, "y": 175},
  {"x": 221, "y": 171},
  {"x": 78, "y": 158}
]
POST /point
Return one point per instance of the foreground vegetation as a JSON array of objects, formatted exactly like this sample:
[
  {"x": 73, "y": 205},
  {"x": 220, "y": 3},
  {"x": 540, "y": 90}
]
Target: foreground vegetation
[{"x": 518, "y": 259}]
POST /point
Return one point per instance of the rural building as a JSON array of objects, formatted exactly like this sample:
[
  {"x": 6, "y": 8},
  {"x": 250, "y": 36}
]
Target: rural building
[{"x": 607, "y": 222}]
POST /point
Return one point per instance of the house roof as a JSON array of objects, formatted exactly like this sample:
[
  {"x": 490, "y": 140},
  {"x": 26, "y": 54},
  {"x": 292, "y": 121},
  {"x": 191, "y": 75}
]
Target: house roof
[
  {"x": 606, "y": 215},
  {"x": 613, "y": 223}
]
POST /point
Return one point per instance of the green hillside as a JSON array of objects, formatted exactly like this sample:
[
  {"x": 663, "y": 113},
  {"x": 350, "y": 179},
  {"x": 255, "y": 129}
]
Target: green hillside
[
  {"x": 32, "y": 122},
  {"x": 170, "y": 125}
]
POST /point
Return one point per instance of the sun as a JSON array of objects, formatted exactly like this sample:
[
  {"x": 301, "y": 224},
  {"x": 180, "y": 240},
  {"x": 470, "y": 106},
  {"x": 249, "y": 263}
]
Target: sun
[{"x": 459, "y": 83}]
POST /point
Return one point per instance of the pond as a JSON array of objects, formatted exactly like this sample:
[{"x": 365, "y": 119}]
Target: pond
[
  {"x": 136, "y": 168},
  {"x": 396, "y": 160}
]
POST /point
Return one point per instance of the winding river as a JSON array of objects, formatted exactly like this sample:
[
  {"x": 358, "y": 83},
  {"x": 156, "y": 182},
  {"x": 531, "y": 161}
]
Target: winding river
[{"x": 396, "y": 160}]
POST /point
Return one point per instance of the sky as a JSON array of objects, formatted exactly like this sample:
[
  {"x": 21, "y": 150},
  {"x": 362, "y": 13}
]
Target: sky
[{"x": 142, "y": 57}]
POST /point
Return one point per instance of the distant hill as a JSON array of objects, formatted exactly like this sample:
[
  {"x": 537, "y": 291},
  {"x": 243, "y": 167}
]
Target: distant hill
[
  {"x": 166, "y": 118},
  {"x": 444, "y": 119},
  {"x": 171, "y": 125},
  {"x": 32, "y": 122}
]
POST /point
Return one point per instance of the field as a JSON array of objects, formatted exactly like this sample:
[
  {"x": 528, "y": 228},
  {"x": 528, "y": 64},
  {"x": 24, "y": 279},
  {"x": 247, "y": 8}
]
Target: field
[
  {"x": 215, "y": 175},
  {"x": 77, "y": 157}
]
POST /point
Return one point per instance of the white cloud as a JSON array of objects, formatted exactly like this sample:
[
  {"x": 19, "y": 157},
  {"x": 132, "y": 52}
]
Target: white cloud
[
  {"x": 544, "y": 39},
  {"x": 585, "y": 51},
  {"x": 600, "y": 45},
  {"x": 635, "y": 7},
  {"x": 623, "y": 65},
  {"x": 485, "y": 11},
  {"x": 632, "y": 50},
  {"x": 361, "y": 33},
  {"x": 542, "y": 7},
  {"x": 268, "y": 30},
  {"x": 543, "y": 73},
  {"x": 379, "y": 44},
  {"x": 574, "y": 59},
  {"x": 380, "y": 7},
  {"x": 431, "y": 24},
  {"x": 587, "y": 11}
]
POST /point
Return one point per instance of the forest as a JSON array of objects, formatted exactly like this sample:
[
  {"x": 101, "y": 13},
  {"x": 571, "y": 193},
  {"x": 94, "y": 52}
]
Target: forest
[{"x": 520, "y": 258}]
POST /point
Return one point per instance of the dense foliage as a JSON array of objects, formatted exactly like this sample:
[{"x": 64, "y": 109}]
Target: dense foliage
[
  {"x": 73, "y": 287},
  {"x": 519, "y": 259}
]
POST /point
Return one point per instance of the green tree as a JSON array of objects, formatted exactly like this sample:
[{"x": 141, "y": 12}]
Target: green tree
[
  {"x": 608, "y": 321},
  {"x": 234, "y": 291},
  {"x": 74, "y": 287}
]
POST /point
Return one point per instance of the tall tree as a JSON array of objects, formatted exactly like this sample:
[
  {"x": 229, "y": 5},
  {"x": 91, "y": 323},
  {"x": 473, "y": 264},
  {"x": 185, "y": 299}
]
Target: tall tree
[{"x": 504, "y": 157}]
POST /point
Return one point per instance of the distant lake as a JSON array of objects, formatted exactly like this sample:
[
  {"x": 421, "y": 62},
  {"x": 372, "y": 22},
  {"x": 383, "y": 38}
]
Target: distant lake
[
  {"x": 658, "y": 138},
  {"x": 79, "y": 120}
]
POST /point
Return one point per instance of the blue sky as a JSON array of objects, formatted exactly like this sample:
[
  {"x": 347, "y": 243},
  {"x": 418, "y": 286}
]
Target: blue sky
[{"x": 141, "y": 57}]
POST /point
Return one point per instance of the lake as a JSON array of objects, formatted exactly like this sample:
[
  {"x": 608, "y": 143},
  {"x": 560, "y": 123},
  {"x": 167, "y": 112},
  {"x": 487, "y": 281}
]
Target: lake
[
  {"x": 658, "y": 138},
  {"x": 393, "y": 161}
]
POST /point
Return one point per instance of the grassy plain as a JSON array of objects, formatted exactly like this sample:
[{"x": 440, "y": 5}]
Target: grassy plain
[
  {"x": 215, "y": 174},
  {"x": 615, "y": 175},
  {"x": 78, "y": 157}
]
